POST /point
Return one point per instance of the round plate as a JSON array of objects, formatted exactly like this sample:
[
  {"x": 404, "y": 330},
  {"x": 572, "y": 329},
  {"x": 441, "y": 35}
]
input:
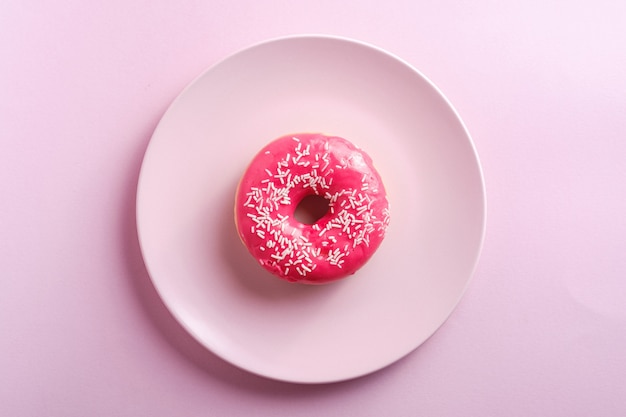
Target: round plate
[{"x": 292, "y": 332}]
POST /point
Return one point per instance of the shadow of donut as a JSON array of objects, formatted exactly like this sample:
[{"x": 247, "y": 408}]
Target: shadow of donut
[
  {"x": 156, "y": 311},
  {"x": 245, "y": 272}
]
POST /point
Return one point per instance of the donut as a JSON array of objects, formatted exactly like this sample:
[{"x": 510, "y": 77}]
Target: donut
[{"x": 352, "y": 224}]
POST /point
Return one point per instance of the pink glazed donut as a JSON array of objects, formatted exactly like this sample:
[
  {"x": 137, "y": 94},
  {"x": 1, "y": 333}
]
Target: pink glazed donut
[{"x": 337, "y": 244}]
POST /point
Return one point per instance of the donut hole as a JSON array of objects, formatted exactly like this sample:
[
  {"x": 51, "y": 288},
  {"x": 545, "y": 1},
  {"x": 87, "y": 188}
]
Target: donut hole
[{"x": 311, "y": 209}]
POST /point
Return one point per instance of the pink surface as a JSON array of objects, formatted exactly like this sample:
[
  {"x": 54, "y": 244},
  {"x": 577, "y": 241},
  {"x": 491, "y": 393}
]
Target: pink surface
[{"x": 542, "y": 327}]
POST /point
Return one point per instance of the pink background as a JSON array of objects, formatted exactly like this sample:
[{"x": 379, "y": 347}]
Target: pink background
[{"x": 540, "y": 85}]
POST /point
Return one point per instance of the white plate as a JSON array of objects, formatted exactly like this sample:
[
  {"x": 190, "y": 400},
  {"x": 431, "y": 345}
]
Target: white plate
[{"x": 288, "y": 331}]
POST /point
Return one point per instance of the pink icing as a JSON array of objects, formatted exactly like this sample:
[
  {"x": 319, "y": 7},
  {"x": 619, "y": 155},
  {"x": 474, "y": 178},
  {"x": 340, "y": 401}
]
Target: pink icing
[{"x": 280, "y": 176}]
